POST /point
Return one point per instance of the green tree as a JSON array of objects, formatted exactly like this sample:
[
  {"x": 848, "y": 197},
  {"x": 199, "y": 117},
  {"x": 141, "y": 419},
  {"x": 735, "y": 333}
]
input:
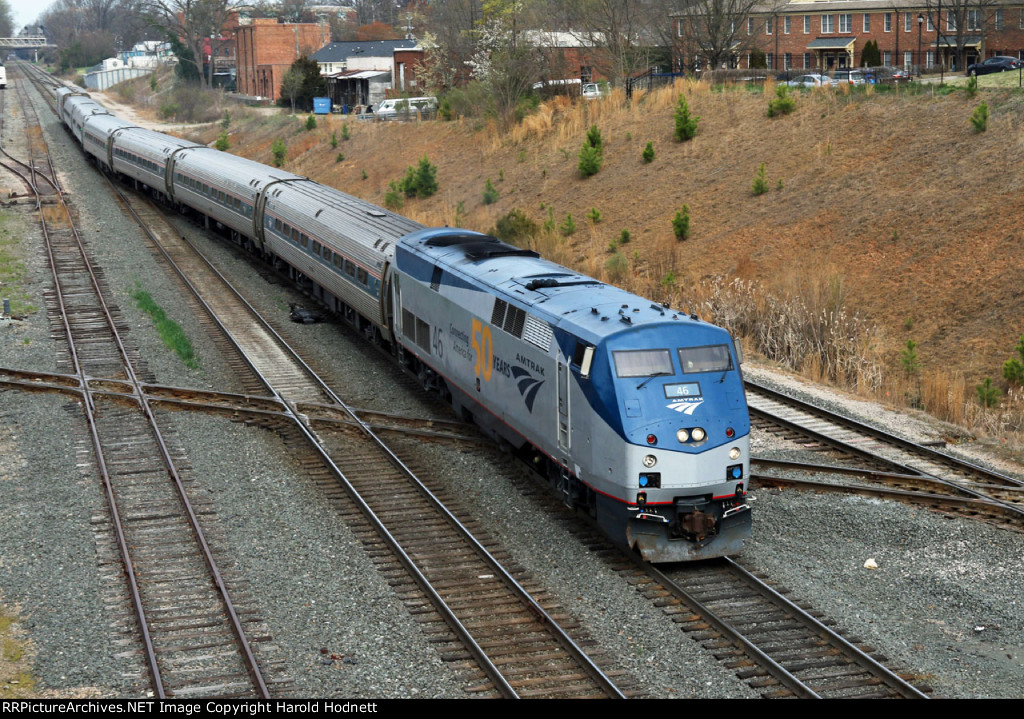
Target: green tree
[
  {"x": 302, "y": 83},
  {"x": 491, "y": 195},
  {"x": 870, "y": 55},
  {"x": 988, "y": 395},
  {"x": 590, "y": 155},
  {"x": 279, "y": 151},
  {"x": 980, "y": 117},
  {"x": 760, "y": 185},
  {"x": 686, "y": 124},
  {"x": 681, "y": 223},
  {"x": 1013, "y": 369},
  {"x": 648, "y": 153},
  {"x": 908, "y": 358}
]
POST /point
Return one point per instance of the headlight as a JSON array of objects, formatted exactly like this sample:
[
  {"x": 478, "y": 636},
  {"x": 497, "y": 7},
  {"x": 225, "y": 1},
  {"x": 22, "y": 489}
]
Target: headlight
[
  {"x": 734, "y": 453},
  {"x": 650, "y": 460},
  {"x": 682, "y": 435},
  {"x": 698, "y": 435}
]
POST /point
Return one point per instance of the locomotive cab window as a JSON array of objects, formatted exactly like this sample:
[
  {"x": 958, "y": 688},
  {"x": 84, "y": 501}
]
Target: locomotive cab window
[
  {"x": 643, "y": 363},
  {"x": 713, "y": 358}
]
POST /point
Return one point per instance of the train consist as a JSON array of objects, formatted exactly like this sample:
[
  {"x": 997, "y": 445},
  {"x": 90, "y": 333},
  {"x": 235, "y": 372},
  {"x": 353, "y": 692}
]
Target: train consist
[{"x": 635, "y": 412}]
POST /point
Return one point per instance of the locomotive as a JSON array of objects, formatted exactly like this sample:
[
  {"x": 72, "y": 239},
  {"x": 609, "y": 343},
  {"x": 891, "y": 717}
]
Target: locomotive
[{"x": 635, "y": 412}]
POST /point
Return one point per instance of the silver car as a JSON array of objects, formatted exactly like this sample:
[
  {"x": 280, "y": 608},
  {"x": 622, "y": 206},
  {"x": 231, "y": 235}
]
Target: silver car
[{"x": 811, "y": 80}]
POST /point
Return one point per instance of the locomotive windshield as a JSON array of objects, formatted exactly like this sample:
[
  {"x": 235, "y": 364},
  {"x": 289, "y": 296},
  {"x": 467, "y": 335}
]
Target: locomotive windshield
[
  {"x": 643, "y": 363},
  {"x": 713, "y": 358}
]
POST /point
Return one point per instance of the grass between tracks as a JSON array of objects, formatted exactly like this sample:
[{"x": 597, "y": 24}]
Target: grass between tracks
[
  {"x": 12, "y": 271},
  {"x": 16, "y": 681},
  {"x": 170, "y": 331}
]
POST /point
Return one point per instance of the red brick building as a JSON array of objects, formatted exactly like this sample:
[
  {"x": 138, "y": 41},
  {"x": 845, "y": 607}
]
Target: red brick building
[
  {"x": 827, "y": 34},
  {"x": 266, "y": 48}
]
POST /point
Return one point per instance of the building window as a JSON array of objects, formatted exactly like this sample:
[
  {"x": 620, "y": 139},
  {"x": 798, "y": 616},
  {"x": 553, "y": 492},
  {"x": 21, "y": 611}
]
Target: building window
[
  {"x": 771, "y": 64},
  {"x": 908, "y": 60},
  {"x": 787, "y": 23},
  {"x": 788, "y": 59},
  {"x": 930, "y": 59},
  {"x": 886, "y": 57},
  {"x": 950, "y": 22},
  {"x": 750, "y": 26},
  {"x": 974, "y": 19},
  {"x": 887, "y": 22},
  {"x": 768, "y": 25},
  {"x": 908, "y": 21},
  {"x": 999, "y": 20},
  {"x": 929, "y": 25},
  {"x": 846, "y": 22},
  {"x": 827, "y": 24},
  {"x": 807, "y": 61},
  {"x": 807, "y": 22},
  {"x": 867, "y": 23}
]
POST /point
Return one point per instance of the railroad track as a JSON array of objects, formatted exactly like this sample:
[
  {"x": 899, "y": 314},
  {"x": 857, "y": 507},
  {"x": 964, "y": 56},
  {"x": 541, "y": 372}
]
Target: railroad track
[
  {"x": 885, "y": 454},
  {"x": 464, "y": 582},
  {"x": 195, "y": 643},
  {"x": 771, "y": 642}
]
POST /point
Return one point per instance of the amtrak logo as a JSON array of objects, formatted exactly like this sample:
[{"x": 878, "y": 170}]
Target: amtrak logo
[
  {"x": 527, "y": 384},
  {"x": 686, "y": 406}
]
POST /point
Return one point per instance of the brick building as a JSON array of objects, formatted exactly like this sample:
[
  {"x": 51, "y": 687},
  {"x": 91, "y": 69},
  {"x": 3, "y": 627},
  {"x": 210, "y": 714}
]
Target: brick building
[
  {"x": 827, "y": 34},
  {"x": 266, "y": 48}
]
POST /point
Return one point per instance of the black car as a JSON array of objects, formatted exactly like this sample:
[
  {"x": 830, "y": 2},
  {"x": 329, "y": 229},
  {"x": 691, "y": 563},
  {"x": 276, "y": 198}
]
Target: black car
[{"x": 999, "y": 63}]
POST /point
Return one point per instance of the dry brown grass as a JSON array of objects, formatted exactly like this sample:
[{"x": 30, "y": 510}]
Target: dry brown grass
[{"x": 890, "y": 208}]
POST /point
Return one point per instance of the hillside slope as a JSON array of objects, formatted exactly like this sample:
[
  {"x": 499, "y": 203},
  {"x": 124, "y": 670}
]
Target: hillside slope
[{"x": 892, "y": 198}]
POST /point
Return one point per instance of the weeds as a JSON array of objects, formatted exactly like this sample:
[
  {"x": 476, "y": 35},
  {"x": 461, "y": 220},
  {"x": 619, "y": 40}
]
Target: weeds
[
  {"x": 169, "y": 330},
  {"x": 594, "y": 215},
  {"x": 515, "y": 228}
]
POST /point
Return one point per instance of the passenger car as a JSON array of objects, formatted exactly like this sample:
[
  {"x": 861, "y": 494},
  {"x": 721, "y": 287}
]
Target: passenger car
[
  {"x": 848, "y": 77},
  {"x": 812, "y": 80},
  {"x": 999, "y": 63}
]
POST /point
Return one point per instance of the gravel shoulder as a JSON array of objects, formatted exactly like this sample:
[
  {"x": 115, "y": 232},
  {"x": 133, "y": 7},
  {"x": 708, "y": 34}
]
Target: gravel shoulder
[{"x": 944, "y": 603}]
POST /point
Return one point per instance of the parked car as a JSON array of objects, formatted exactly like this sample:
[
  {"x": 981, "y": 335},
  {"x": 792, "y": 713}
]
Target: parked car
[
  {"x": 999, "y": 63},
  {"x": 407, "y": 108},
  {"x": 591, "y": 91},
  {"x": 811, "y": 80},
  {"x": 848, "y": 77}
]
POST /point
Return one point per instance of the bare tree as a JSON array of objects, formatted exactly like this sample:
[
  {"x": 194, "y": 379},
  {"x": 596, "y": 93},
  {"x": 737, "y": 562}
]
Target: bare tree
[
  {"x": 624, "y": 29},
  {"x": 191, "y": 21},
  {"x": 710, "y": 31},
  {"x": 449, "y": 40},
  {"x": 957, "y": 23}
]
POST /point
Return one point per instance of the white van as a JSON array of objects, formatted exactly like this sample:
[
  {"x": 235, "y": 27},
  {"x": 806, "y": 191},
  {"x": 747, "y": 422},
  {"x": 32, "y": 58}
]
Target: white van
[
  {"x": 406, "y": 107},
  {"x": 3, "y": 76},
  {"x": 591, "y": 91}
]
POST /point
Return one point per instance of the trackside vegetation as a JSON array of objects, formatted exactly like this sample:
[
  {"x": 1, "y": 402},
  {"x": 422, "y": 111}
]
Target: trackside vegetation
[{"x": 169, "y": 330}]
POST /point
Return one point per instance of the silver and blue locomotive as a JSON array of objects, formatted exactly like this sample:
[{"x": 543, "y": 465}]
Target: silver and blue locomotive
[{"x": 635, "y": 412}]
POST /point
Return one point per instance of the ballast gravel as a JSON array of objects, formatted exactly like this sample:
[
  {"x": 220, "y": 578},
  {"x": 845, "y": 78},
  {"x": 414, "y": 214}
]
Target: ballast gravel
[{"x": 943, "y": 605}]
